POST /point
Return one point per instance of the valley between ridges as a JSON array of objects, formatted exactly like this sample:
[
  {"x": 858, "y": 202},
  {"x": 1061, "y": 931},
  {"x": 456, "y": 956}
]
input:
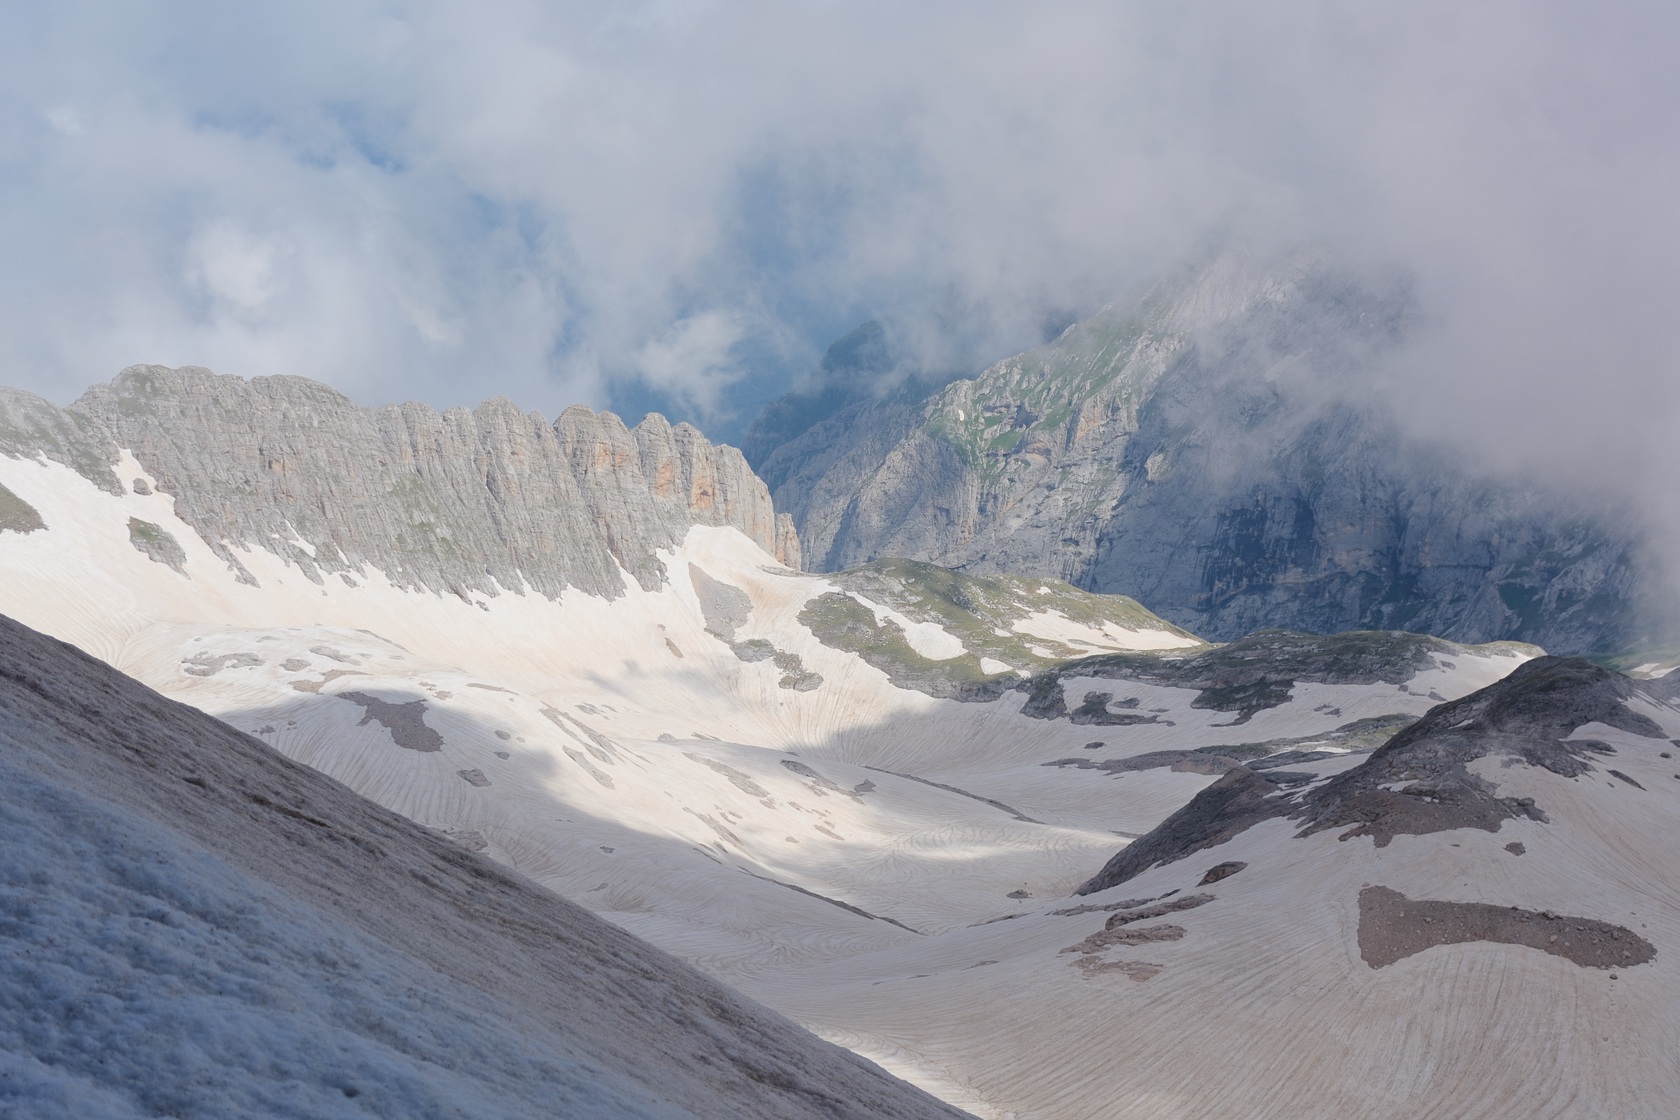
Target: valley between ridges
[{"x": 638, "y": 755}]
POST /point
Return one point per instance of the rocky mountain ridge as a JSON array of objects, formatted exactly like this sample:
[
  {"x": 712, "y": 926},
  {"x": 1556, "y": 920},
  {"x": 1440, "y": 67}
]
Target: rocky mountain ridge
[
  {"x": 466, "y": 501},
  {"x": 1215, "y": 449}
]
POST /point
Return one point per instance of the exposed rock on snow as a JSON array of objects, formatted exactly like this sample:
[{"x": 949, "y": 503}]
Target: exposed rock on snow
[
  {"x": 1247, "y": 676},
  {"x": 17, "y": 515},
  {"x": 1393, "y": 927},
  {"x": 157, "y": 543},
  {"x": 1421, "y": 780},
  {"x": 405, "y": 720},
  {"x": 1331, "y": 976}
]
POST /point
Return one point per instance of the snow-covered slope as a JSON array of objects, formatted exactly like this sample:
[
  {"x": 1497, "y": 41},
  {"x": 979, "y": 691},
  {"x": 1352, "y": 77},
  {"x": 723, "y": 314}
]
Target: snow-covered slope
[
  {"x": 1480, "y": 920},
  {"x": 813, "y": 787},
  {"x": 194, "y": 926}
]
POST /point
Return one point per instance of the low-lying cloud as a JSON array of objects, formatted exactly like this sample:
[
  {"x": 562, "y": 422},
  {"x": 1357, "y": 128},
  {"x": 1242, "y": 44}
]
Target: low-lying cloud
[{"x": 591, "y": 201}]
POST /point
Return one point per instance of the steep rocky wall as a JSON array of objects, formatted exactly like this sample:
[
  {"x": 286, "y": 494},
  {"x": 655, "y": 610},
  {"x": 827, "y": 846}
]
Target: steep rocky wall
[
  {"x": 31, "y": 426},
  {"x": 1213, "y": 451},
  {"x": 645, "y": 487},
  {"x": 468, "y": 500}
]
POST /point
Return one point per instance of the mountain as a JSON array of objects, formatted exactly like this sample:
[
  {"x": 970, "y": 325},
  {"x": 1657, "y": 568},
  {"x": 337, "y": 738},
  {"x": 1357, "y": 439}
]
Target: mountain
[
  {"x": 785, "y": 779},
  {"x": 1214, "y": 449},
  {"x": 850, "y": 369},
  {"x": 195, "y": 926},
  {"x": 1033, "y": 849},
  {"x": 1421, "y": 782},
  {"x": 464, "y": 502}
]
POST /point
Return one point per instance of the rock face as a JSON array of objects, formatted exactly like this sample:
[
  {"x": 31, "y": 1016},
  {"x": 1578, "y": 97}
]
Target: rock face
[
  {"x": 1205, "y": 451},
  {"x": 1254, "y": 673},
  {"x": 465, "y": 501},
  {"x": 1421, "y": 780}
]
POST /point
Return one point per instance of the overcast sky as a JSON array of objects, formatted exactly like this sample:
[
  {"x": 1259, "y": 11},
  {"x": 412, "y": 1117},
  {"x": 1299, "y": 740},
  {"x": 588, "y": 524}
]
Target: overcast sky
[{"x": 683, "y": 202}]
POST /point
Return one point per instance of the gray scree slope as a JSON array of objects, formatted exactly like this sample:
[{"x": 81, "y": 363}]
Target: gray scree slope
[
  {"x": 1204, "y": 450},
  {"x": 462, "y": 501}
]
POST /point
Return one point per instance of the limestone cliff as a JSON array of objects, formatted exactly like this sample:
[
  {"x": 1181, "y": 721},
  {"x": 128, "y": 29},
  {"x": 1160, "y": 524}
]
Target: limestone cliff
[
  {"x": 467, "y": 500},
  {"x": 1212, "y": 449}
]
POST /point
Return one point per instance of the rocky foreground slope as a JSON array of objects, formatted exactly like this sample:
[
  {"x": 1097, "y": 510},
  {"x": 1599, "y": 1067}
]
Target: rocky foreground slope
[
  {"x": 195, "y": 926},
  {"x": 1215, "y": 450}
]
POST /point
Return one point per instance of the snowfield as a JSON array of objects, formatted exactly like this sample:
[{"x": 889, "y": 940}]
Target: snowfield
[
  {"x": 885, "y": 848},
  {"x": 196, "y": 927}
]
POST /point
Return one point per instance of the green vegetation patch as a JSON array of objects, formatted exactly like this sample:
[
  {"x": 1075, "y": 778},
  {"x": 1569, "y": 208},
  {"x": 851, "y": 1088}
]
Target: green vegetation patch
[
  {"x": 841, "y": 622},
  {"x": 1106, "y": 358},
  {"x": 1242, "y": 678},
  {"x": 979, "y": 611},
  {"x": 974, "y": 608}
]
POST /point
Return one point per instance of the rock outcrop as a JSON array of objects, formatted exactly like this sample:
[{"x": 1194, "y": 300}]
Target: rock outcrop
[
  {"x": 1212, "y": 451},
  {"x": 464, "y": 501},
  {"x": 1421, "y": 780}
]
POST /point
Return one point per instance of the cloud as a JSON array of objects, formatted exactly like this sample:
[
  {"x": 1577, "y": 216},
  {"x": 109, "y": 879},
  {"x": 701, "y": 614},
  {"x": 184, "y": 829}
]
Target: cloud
[
  {"x": 695, "y": 359},
  {"x": 234, "y": 267},
  {"x": 563, "y": 202},
  {"x": 66, "y": 120}
]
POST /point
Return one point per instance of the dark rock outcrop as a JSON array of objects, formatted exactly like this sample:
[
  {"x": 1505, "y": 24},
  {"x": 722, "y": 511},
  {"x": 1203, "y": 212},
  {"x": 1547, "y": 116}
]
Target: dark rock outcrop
[
  {"x": 1419, "y": 782},
  {"x": 1393, "y": 927},
  {"x": 1229, "y": 806},
  {"x": 1246, "y": 676}
]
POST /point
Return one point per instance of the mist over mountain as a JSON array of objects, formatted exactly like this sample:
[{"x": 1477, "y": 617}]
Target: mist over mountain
[
  {"x": 1119, "y": 670},
  {"x": 851, "y": 371},
  {"x": 639, "y": 202},
  {"x": 1224, "y": 448}
]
